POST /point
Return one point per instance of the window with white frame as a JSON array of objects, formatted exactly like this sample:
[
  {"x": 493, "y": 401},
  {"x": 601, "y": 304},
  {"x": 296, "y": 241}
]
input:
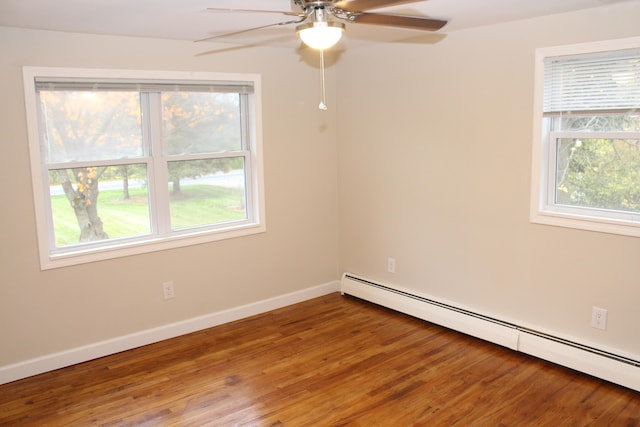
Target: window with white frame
[
  {"x": 126, "y": 162},
  {"x": 586, "y": 157}
]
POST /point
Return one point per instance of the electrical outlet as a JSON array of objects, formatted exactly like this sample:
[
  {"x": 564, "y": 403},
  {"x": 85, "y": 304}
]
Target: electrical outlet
[
  {"x": 168, "y": 291},
  {"x": 599, "y": 318},
  {"x": 391, "y": 265}
]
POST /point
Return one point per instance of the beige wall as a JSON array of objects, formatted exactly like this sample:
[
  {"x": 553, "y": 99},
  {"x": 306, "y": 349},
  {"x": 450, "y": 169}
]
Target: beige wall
[
  {"x": 434, "y": 170},
  {"x": 42, "y": 312},
  {"x": 434, "y": 148}
]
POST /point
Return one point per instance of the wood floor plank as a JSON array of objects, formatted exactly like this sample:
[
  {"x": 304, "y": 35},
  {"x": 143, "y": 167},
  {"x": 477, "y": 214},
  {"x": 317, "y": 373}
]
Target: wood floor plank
[{"x": 330, "y": 361}]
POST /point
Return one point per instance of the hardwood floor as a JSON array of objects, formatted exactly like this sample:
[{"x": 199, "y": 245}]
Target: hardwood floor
[{"x": 331, "y": 361}]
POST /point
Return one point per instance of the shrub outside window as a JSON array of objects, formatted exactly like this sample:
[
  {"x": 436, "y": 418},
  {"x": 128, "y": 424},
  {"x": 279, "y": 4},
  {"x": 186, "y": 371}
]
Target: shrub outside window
[
  {"x": 127, "y": 162},
  {"x": 586, "y": 152}
]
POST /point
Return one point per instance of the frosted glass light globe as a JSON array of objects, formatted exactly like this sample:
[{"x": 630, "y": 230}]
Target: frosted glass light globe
[{"x": 320, "y": 35}]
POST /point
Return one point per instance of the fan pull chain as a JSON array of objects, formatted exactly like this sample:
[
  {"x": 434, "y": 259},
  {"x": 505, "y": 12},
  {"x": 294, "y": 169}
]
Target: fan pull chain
[{"x": 322, "y": 105}]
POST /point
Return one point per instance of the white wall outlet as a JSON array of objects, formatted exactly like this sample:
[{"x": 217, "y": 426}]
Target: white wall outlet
[
  {"x": 391, "y": 265},
  {"x": 599, "y": 318},
  {"x": 168, "y": 291}
]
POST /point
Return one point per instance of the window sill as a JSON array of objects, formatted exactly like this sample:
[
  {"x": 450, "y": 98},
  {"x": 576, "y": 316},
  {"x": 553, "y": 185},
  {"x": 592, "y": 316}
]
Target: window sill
[
  {"x": 153, "y": 244},
  {"x": 584, "y": 222}
]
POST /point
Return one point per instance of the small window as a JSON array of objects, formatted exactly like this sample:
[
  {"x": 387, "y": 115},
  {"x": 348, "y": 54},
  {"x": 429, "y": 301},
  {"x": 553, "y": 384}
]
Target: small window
[
  {"x": 586, "y": 157},
  {"x": 132, "y": 162}
]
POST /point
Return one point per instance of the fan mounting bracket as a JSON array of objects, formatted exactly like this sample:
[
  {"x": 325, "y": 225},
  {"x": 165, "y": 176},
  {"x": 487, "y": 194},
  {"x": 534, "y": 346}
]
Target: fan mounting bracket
[{"x": 308, "y": 6}]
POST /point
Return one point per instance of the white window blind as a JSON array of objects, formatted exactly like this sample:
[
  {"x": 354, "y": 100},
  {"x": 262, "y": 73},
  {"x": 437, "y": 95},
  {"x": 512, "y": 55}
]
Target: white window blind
[
  {"x": 592, "y": 83},
  {"x": 78, "y": 84}
]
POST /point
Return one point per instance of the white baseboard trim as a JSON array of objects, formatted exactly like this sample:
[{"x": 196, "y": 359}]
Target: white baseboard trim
[
  {"x": 76, "y": 355},
  {"x": 607, "y": 364}
]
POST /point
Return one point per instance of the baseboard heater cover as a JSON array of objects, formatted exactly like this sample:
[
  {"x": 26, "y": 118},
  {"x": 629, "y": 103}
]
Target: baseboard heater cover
[{"x": 603, "y": 364}]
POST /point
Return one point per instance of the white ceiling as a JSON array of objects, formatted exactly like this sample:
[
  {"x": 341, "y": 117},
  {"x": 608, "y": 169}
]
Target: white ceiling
[{"x": 189, "y": 19}]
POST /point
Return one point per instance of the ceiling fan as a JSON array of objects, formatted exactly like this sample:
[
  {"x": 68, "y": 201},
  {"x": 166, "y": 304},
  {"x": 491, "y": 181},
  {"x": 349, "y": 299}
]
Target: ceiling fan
[{"x": 321, "y": 22}]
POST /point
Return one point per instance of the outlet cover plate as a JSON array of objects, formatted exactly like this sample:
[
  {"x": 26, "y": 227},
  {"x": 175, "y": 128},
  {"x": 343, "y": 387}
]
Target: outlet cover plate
[{"x": 599, "y": 318}]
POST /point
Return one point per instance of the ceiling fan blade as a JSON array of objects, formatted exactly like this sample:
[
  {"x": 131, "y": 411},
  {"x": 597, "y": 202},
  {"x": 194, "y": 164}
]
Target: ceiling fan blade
[
  {"x": 219, "y": 36},
  {"x": 220, "y": 9},
  {"x": 409, "y": 22},
  {"x": 362, "y": 5}
]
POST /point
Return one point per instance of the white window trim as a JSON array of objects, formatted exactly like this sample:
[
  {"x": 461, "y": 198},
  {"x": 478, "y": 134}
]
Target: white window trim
[
  {"x": 255, "y": 178},
  {"x": 540, "y": 210}
]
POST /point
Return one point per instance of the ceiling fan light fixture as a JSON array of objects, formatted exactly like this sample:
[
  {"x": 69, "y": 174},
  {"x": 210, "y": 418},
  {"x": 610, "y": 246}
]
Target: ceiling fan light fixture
[{"x": 320, "y": 35}]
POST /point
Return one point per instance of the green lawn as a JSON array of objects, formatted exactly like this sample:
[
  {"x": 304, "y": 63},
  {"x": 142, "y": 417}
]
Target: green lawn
[{"x": 195, "y": 205}]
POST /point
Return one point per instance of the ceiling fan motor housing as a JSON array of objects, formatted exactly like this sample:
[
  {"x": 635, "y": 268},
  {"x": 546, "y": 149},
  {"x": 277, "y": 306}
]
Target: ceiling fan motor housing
[{"x": 314, "y": 3}]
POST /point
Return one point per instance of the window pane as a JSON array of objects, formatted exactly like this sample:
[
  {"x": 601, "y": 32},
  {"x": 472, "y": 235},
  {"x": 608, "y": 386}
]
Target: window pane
[
  {"x": 89, "y": 125},
  {"x": 196, "y": 122},
  {"x": 207, "y": 192},
  {"x": 598, "y": 173},
  {"x": 96, "y": 203},
  {"x": 603, "y": 123}
]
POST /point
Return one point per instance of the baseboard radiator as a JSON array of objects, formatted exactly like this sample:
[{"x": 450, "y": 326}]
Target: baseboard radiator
[{"x": 606, "y": 365}]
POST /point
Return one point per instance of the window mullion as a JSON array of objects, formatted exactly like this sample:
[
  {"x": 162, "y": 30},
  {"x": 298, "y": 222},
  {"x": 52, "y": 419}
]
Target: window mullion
[
  {"x": 248, "y": 153},
  {"x": 158, "y": 174},
  {"x": 201, "y": 156},
  {"x": 552, "y": 171},
  {"x": 595, "y": 135},
  {"x": 96, "y": 163}
]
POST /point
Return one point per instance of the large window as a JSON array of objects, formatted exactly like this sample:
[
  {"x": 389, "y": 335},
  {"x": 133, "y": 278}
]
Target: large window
[
  {"x": 586, "y": 157},
  {"x": 127, "y": 162}
]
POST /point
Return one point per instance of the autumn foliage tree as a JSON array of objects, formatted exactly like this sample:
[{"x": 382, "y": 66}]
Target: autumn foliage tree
[
  {"x": 93, "y": 134},
  {"x": 200, "y": 122},
  {"x": 84, "y": 129}
]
